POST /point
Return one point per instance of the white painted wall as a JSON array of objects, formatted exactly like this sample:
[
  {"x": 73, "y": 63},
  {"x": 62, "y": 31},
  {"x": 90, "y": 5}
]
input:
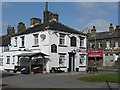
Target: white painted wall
[{"x": 45, "y": 47}]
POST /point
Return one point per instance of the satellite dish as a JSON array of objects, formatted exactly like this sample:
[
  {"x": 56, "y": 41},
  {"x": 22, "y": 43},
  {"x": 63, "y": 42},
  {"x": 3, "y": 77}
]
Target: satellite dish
[{"x": 43, "y": 36}]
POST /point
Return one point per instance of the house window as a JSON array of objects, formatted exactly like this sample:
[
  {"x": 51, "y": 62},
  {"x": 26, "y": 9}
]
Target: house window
[
  {"x": 92, "y": 45},
  {"x": 5, "y": 49},
  {"x": 100, "y": 44},
  {"x": 13, "y": 60},
  {"x": 23, "y": 41},
  {"x": 73, "y": 41},
  {"x": 82, "y": 59},
  {"x": 8, "y": 60},
  {"x": 116, "y": 44},
  {"x": 36, "y": 39},
  {"x": 15, "y": 41},
  {"x": 107, "y": 44},
  {"x": 106, "y": 54},
  {"x": 62, "y": 39},
  {"x": 53, "y": 48},
  {"x": 62, "y": 60},
  {"x": 1, "y": 61},
  {"x": 111, "y": 54},
  {"x": 82, "y": 41}
]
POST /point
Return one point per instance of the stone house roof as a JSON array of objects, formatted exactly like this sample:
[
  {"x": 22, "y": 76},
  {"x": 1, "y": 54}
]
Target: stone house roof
[{"x": 53, "y": 25}]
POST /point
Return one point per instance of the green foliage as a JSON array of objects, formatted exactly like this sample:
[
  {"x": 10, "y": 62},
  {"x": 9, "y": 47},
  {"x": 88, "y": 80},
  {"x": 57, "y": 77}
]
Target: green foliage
[{"x": 112, "y": 77}]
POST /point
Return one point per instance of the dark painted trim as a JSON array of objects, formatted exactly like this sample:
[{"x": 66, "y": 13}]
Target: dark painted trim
[
  {"x": 62, "y": 53},
  {"x": 7, "y": 63},
  {"x": 82, "y": 66},
  {"x": 22, "y": 47},
  {"x": 63, "y": 33},
  {"x": 62, "y": 46},
  {"x": 63, "y": 67},
  {"x": 82, "y": 48},
  {"x": 35, "y": 34},
  {"x": 36, "y": 46}
]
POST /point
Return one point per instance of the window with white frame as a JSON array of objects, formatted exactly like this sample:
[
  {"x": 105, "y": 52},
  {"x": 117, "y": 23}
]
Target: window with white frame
[
  {"x": 116, "y": 44},
  {"x": 82, "y": 41},
  {"x": 62, "y": 39},
  {"x": 1, "y": 61},
  {"x": 53, "y": 48},
  {"x": 82, "y": 58},
  {"x": 107, "y": 44},
  {"x": 13, "y": 62},
  {"x": 62, "y": 60},
  {"x": 92, "y": 45},
  {"x": 73, "y": 41},
  {"x": 23, "y": 41},
  {"x": 15, "y": 41},
  {"x": 35, "y": 39},
  {"x": 100, "y": 44},
  {"x": 8, "y": 60}
]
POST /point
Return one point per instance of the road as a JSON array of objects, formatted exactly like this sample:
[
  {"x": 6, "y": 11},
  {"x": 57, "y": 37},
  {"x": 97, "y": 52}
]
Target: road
[{"x": 62, "y": 80}]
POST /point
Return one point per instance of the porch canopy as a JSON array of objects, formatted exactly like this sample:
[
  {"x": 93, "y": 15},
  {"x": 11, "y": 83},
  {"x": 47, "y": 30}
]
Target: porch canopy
[{"x": 30, "y": 55}]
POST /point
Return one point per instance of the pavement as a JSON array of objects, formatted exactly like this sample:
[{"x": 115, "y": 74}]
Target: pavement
[{"x": 54, "y": 80}]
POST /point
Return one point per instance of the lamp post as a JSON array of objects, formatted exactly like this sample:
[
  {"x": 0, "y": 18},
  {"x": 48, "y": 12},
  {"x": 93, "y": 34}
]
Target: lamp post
[{"x": 95, "y": 47}]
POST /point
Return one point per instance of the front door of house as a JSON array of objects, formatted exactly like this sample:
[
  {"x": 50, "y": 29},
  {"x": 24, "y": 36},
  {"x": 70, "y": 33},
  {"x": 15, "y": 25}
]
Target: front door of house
[{"x": 71, "y": 62}]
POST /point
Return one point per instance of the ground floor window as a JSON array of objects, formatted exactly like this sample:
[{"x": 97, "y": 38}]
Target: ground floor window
[
  {"x": 62, "y": 60},
  {"x": 82, "y": 59},
  {"x": 13, "y": 62},
  {"x": 8, "y": 60},
  {"x": 1, "y": 61}
]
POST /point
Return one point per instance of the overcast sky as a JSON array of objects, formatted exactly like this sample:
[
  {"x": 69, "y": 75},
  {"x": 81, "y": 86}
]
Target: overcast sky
[{"x": 78, "y": 15}]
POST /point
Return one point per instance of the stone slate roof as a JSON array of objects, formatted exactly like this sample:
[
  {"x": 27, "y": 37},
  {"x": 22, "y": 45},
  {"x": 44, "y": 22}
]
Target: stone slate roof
[
  {"x": 105, "y": 35},
  {"x": 5, "y": 40},
  {"x": 53, "y": 25}
]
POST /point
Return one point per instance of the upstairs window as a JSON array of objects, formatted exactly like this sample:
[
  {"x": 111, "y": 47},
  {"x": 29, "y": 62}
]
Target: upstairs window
[
  {"x": 107, "y": 44},
  {"x": 23, "y": 41},
  {"x": 92, "y": 45},
  {"x": 53, "y": 48},
  {"x": 100, "y": 44},
  {"x": 82, "y": 41},
  {"x": 62, "y": 39},
  {"x": 73, "y": 41},
  {"x": 116, "y": 44},
  {"x": 15, "y": 41},
  {"x": 36, "y": 39}
]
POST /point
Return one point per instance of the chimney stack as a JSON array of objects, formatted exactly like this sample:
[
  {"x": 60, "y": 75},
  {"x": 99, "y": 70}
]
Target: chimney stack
[
  {"x": 21, "y": 27},
  {"x": 117, "y": 27},
  {"x": 111, "y": 28},
  {"x": 93, "y": 30},
  {"x": 10, "y": 30},
  {"x": 47, "y": 15},
  {"x": 35, "y": 21}
]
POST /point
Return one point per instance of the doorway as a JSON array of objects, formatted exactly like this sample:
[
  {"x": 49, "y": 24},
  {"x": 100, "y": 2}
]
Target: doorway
[{"x": 71, "y": 62}]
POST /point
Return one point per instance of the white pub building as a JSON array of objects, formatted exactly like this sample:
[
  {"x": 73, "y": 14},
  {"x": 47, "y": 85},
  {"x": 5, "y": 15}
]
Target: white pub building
[{"x": 47, "y": 45}]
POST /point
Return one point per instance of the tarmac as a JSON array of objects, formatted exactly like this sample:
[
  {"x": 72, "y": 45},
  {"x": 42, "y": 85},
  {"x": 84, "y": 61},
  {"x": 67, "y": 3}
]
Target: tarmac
[{"x": 53, "y": 80}]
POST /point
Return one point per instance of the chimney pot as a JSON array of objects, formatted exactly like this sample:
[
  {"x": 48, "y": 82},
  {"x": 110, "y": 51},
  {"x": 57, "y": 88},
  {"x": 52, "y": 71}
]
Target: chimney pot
[
  {"x": 10, "y": 30},
  {"x": 35, "y": 21},
  {"x": 21, "y": 27},
  {"x": 93, "y": 27}
]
